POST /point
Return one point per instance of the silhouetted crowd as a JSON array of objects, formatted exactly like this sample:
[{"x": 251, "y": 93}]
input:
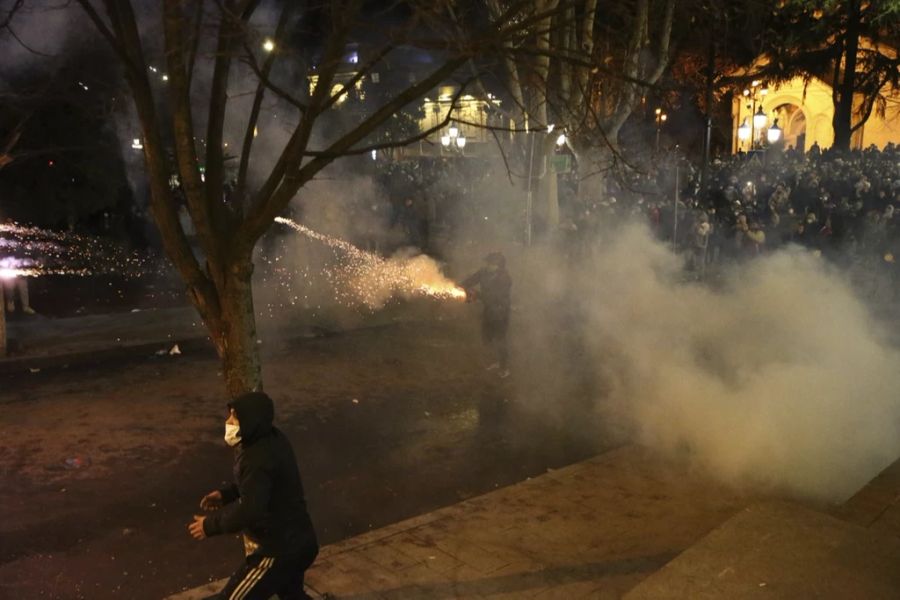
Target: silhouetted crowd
[{"x": 841, "y": 204}]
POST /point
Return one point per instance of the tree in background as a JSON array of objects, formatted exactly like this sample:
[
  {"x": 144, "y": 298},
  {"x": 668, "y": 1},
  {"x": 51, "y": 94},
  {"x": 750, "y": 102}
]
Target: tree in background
[
  {"x": 716, "y": 39},
  {"x": 852, "y": 45},
  {"x": 582, "y": 66},
  {"x": 205, "y": 46}
]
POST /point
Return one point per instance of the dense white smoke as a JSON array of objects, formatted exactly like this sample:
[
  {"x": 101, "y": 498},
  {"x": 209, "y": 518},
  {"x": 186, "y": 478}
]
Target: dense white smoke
[{"x": 779, "y": 379}]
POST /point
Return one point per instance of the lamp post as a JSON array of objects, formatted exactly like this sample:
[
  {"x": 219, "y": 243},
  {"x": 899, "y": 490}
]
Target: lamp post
[
  {"x": 754, "y": 95},
  {"x": 774, "y": 132},
  {"x": 452, "y": 139},
  {"x": 660, "y": 119},
  {"x": 744, "y": 131}
]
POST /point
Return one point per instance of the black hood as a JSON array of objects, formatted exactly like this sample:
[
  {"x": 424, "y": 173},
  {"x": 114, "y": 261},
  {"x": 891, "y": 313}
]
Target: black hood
[{"x": 255, "y": 412}]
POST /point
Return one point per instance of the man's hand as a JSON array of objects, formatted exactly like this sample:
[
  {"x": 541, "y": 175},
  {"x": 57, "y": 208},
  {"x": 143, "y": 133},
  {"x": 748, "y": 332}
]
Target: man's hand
[
  {"x": 196, "y": 528},
  {"x": 212, "y": 501}
]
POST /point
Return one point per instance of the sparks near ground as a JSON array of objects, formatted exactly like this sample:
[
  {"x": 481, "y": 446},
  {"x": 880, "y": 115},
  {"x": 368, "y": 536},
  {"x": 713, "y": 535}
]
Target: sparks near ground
[
  {"x": 364, "y": 277},
  {"x": 35, "y": 252}
]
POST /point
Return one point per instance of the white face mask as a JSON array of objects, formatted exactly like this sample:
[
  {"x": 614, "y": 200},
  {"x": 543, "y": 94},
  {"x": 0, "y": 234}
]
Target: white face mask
[{"x": 232, "y": 434}]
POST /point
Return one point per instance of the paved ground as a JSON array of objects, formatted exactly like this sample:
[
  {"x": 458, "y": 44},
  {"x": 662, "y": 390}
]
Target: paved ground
[
  {"x": 591, "y": 530},
  {"x": 781, "y": 550},
  {"x": 37, "y": 341},
  {"x": 623, "y": 524},
  {"x": 103, "y": 465}
]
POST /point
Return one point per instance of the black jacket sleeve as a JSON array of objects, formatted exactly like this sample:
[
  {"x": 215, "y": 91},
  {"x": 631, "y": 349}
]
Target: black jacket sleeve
[
  {"x": 472, "y": 280},
  {"x": 229, "y": 494},
  {"x": 255, "y": 490}
]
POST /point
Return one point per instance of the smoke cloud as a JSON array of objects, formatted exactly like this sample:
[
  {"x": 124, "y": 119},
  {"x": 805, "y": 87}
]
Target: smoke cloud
[{"x": 779, "y": 379}]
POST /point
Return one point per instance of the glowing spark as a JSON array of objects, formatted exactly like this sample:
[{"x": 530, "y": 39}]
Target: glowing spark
[
  {"x": 372, "y": 280},
  {"x": 34, "y": 252}
]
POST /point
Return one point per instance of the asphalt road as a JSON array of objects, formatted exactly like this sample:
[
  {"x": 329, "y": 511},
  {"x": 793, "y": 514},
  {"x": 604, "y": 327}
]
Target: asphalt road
[{"x": 387, "y": 423}]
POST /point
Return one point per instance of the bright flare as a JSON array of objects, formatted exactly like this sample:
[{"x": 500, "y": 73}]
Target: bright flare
[{"x": 364, "y": 277}]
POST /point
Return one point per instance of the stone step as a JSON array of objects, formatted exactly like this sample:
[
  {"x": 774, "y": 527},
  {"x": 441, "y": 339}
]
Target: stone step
[{"x": 781, "y": 550}]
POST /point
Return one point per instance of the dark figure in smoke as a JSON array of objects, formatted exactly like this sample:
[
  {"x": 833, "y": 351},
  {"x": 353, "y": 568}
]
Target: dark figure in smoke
[
  {"x": 494, "y": 286},
  {"x": 266, "y": 504}
]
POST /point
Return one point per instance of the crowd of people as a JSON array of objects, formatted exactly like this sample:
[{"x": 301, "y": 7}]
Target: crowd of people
[{"x": 841, "y": 204}]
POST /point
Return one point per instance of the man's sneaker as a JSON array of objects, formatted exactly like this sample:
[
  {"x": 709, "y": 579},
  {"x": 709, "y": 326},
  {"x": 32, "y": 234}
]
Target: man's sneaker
[{"x": 493, "y": 367}]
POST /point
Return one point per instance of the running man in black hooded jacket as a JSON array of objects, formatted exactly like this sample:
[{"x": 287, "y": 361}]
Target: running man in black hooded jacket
[{"x": 266, "y": 504}]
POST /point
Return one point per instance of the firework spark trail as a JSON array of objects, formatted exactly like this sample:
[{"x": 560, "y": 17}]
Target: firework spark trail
[
  {"x": 364, "y": 277},
  {"x": 34, "y": 252}
]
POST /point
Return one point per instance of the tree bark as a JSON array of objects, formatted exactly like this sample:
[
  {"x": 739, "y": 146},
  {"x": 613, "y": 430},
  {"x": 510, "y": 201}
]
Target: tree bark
[
  {"x": 2, "y": 323},
  {"x": 240, "y": 356},
  {"x": 843, "y": 96}
]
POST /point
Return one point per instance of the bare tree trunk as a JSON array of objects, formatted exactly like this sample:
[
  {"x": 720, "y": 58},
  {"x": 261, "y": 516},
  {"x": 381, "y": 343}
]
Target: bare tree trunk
[
  {"x": 240, "y": 348},
  {"x": 843, "y": 96},
  {"x": 2, "y": 323}
]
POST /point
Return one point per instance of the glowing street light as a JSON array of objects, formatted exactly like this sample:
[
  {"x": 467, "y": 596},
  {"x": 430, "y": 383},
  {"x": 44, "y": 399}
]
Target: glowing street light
[
  {"x": 744, "y": 131},
  {"x": 561, "y": 140},
  {"x": 754, "y": 95},
  {"x": 452, "y": 139},
  {"x": 136, "y": 144},
  {"x": 774, "y": 132},
  {"x": 660, "y": 119},
  {"x": 759, "y": 119},
  {"x": 269, "y": 45}
]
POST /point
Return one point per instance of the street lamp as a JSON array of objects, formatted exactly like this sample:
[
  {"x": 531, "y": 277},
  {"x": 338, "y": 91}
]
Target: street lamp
[
  {"x": 755, "y": 94},
  {"x": 759, "y": 119},
  {"x": 660, "y": 119},
  {"x": 774, "y": 133},
  {"x": 561, "y": 140},
  {"x": 744, "y": 131},
  {"x": 452, "y": 139},
  {"x": 268, "y": 45}
]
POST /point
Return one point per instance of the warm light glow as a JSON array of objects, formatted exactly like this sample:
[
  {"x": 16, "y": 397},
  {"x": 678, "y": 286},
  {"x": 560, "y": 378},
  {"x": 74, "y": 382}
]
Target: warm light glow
[
  {"x": 760, "y": 119},
  {"x": 136, "y": 144},
  {"x": 268, "y": 45},
  {"x": 445, "y": 140},
  {"x": 663, "y": 118},
  {"x": 371, "y": 279},
  {"x": 453, "y": 131},
  {"x": 774, "y": 133},
  {"x": 658, "y": 111},
  {"x": 374, "y": 154},
  {"x": 443, "y": 291},
  {"x": 461, "y": 142},
  {"x": 561, "y": 140},
  {"x": 551, "y": 127},
  {"x": 744, "y": 131}
]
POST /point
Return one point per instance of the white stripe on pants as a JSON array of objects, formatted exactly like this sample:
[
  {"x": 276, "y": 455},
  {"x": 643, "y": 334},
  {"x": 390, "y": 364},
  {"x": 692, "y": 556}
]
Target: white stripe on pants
[{"x": 252, "y": 577}]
